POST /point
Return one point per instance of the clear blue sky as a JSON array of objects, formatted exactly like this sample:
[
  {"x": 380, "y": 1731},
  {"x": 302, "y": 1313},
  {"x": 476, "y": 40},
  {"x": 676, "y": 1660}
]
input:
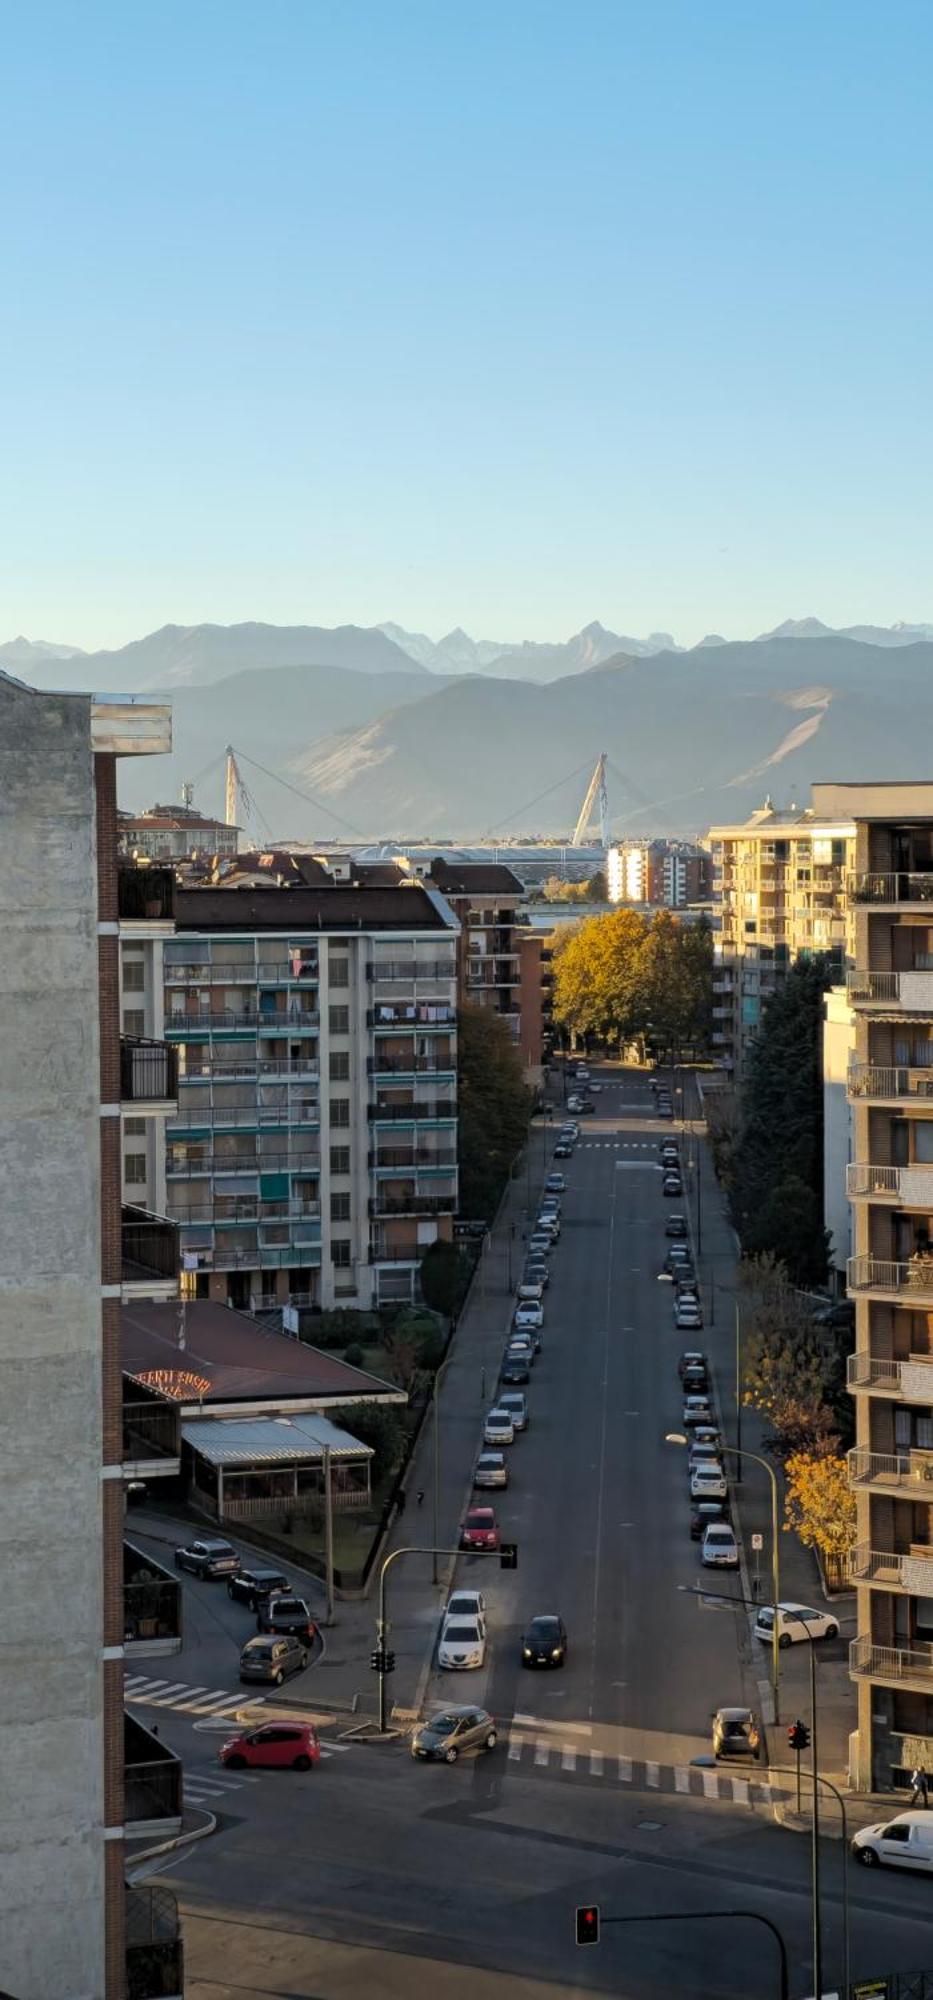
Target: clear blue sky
[{"x": 510, "y": 314}]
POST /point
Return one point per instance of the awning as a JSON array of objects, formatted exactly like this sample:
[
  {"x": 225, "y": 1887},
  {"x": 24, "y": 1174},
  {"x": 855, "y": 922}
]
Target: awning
[{"x": 270, "y": 1440}]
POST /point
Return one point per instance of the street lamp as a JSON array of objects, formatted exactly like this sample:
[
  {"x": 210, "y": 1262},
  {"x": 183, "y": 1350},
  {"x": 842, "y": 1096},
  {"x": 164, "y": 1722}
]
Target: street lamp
[{"x": 677, "y": 1437}]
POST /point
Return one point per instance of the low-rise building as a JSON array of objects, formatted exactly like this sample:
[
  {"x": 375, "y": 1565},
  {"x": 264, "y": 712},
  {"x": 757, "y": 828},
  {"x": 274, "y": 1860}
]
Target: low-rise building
[{"x": 174, "y": 833}]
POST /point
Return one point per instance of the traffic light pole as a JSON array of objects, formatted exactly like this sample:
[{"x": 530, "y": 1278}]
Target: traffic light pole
[
  {"x": 710, "y": 1916},
  {"x": 507, "y": 1553}
]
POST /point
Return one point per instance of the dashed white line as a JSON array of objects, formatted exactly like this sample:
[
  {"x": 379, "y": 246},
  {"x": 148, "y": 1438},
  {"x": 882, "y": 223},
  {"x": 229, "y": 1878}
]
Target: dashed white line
[
  {"x": 625, "y": 1770},
  {"x": 653, "y": 1776},
  {"x": 681, "y": 1779},
  {"x": 596, "y": 1763}
]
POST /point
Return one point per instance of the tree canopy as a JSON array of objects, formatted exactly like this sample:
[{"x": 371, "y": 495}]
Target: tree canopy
[
  {"x": 494, "y": 1109},
  {"x": 624, "y": 975},
  {"x": 775, "y": 1167}
]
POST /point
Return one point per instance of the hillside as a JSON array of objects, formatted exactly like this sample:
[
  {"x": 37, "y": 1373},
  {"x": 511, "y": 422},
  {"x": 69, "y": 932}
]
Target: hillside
[{"x": 197, "y": 655}]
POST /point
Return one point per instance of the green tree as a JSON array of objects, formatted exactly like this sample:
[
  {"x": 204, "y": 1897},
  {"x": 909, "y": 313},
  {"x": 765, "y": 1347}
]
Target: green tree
[
  {"x": 776, "y": 1162},
  {"x": 379, "y": 1426},
  {"x": 445, "y": 1275},
  {"x": 597, "y": 983},
  {"x": 494, "y": 1109}
]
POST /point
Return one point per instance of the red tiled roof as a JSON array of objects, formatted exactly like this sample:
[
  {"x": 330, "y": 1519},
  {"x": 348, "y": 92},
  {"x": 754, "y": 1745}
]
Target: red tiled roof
[{"x": 242, "y": 1360}]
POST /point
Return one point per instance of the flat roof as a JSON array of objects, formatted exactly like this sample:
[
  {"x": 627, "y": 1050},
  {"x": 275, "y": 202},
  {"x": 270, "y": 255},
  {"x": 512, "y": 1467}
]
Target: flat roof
[
  {"x": 340, "y": 907},
  {"x": 232, "y": 1359},
  {"x": 270, "y": 1440},
  {"x": 882, "y": 798}
]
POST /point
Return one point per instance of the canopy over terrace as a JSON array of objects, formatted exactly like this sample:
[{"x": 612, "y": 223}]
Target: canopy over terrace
[{"x": 249, "y": 1467}]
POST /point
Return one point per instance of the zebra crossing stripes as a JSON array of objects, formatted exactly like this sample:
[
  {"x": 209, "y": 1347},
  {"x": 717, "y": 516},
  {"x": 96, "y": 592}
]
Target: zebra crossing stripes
[
  {"x": 575, "y": 1759},
  {"x": 183, "y": 1696}
]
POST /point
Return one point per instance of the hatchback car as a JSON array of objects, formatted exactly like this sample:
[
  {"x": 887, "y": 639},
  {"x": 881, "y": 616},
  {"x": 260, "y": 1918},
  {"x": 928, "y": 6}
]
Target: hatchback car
[
  {"x": 702, "y": 1513},
  {"x": 498, "y": 1428},
  {"x": 736, "y": 1733},
  {"x": 292, "y": 1745},
  {"x": 250, "y": 1586},
  {"x": 542, "y": 1241},
  {"x": 720, "y": 1549},
  {"x": 691, "y": 1358},
  {"x": 207, "y": 1558},
  {"x": 530, "y": 1290},
  {"x": 688, "y": 1318},
  {"x": 465, "y": 1604},
  {"x": 672, "y": 1185},
  {"x": 272, "y": 1658},
  {"x": 676, "y": 1225},
  {"x": 550, "y": 1224},
  {"x": 664, "y": 1110},
  {"x": 563, "y": 1149},
  {"x": 285, "y": 1614},
  {"x": 796, "y": 1622},
  {"x": 708, "y": 1482},
  {"x": 524, "y": 1343},
  {"x": 516, "y": 1369},
  {"x": 696, "y": 1411},
  {"x": 544, "y": 1643},
  {"x": 479, "y": 1529},
  {"x": 556, "y": 1183},
  {"x": 703, "y": 1454},
  {"x": 528, "y": 1315},
  {"x": 445, "y": 1735},
  {"x": 490, "y": 1469},
  {"x": 462, "y": 1645},
  {"x": 517, "y": 1407}
]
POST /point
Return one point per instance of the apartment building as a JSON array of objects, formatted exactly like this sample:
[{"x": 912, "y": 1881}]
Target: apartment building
[
  {"x": 313, "y": 1157},
  {"x": 671, "y": 874},
  {"x": 174, "y": 833},
  {"x": 486, "y": 897},
  {"x": 779, "y": 893},
  {"x": 69, "y": 1254},
  {"x": 536, "y": 1003},
  {"x": 890, "y": 1274}
]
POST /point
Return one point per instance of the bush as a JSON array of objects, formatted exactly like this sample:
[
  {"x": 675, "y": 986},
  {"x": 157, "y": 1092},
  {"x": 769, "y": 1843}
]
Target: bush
[{"x": 354, "y": 1354}]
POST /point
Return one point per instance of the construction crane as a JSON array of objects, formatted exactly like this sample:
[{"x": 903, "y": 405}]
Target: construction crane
[{"x": 596, "y": 790}]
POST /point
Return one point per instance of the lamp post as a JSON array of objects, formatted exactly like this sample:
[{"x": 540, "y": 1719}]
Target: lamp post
[{"x": 677, "y": 1437}]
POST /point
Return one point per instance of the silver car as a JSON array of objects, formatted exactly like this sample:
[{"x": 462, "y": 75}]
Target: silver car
[
  {"x": 517, "y": 1407},
  {"x": 490, "y": 1469},
  {"x": 453, "y": 1730}
]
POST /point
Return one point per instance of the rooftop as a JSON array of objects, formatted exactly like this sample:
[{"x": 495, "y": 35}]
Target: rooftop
[
  {"x": 476, "y": 878},
  {"x": 270, "y": 1440},
  {"x": 326, "y": 907},
  {"x": 178, "y": 819},
  {"x": 238, "y": 1360}
]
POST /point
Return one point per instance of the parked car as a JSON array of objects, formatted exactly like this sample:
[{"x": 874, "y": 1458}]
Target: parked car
[
  {"x": 544, "y": 1643},
  {"x": 906, "y": 1841},
  {"x": 705, "y": 1434},
  {"x": 250, "y": 1586},
  {"x": 498, "y": 1428},
  {"x": 702, "y": 1513},
  {"x": 575, "y": 1103},
  {"x": 702, "y": 1454},
  {"x": 530, "y": 1292},
  {"x": 285, "y": 1614},
  {"x": 542, "y": 1240},
  {"x": 272, "y": 1657},
  {"x": 670, "y": 1152},
  {"x": 516, "y": 1369},
  {"x": 479, "y": 1529},
  {"x": 564, "y": 1149},
  {"x": 692, "y": 1357},
  {"x": 736, "y": 1733},
  {"x": 462, "y": 1645},
  {"x": 720, "y": 1549},
  {"x": 550, "y": 1224},
  {"x": 672, "y": 1185},
  {"x": 528, "y": 1315},
  {"x": 687, "y": 1318},
  {"x": 696, "y": 1411},
  {"x": 445, "y": 1735},
  {"x": 517, "y": 1407},
  {"x": 795, "y": 1623},
  {"x": 465, "y": 1604},
  {"x": 522, "y": 1343},
  {"x": 708, "y": 1482},
  {"x": 536, "y": 1271},
  {"x": 664, "y": 1110},
  {"x": 207, "y": 1558},
  {"x": 570, "y": 1129},
  {"x": 556, "y": 1183},
  {"x": 490, "y": 1469},
  {"x": 292, "y": 1745},
  {"x": 676, "y": 1225}
]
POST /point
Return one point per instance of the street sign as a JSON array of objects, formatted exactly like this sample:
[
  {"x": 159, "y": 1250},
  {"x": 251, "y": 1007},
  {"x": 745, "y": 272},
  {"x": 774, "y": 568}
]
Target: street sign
[
  {"x": 758, "y": 1542},
  {"x": 872, "y": 1989}
]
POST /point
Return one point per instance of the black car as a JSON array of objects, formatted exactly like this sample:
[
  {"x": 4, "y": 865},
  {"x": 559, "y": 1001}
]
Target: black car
[
  {"x": 515, "y": 1372},
  {"x": 286, "y": 1614},
  {"x": 563, "y": 1149},
  {"x": 692, "y": 1357},
  {"x": 675, "y": 1226},
  {"x": 250, "y": 1586},
  {"x": 545, "y": 1642},
  {"x": 672, "y": 1184},
  {"x": 207, "y": 1558}
]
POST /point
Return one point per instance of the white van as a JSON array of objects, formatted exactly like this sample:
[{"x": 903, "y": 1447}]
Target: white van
[{"x": 903, "y": 1842}]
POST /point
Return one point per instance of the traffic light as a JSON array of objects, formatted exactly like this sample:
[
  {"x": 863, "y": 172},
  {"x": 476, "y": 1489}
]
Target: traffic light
[
  {"x": 508, "y": 1555},
  {"x": 587, "y": 1923},
  {"x": 798, "y": 1735},
  {"x": 389, "y": 1666},
  {"x": 382, "y": 1662}
]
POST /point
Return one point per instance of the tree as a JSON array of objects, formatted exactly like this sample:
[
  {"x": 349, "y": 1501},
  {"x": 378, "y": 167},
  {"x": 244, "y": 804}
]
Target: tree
[
  {"x": 676, "y": 974},
  {"x": 494, "y": 1109},
  {"x": 776, "y": 1163},
  {"x": 445, "y": 1275},
  {"x": 380, "y": 1427},
  {"x": 787, "y": 1373},
  {"x": 597, "y": 888},
  {"x": 597, "y": 979},
  {"x": 819, "y": 1503}
]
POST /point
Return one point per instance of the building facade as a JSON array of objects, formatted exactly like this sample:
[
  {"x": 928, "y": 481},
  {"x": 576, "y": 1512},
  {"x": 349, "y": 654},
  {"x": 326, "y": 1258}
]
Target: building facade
[
  {"x": 486, "y": 898},
  {"x": 174, "y": 833},
  {"x": 779, "y": 893},
  {"x": 667, "y": 873},
  {"x": 68, "y": 1255},
  {"x": 313, "y": 1158}
]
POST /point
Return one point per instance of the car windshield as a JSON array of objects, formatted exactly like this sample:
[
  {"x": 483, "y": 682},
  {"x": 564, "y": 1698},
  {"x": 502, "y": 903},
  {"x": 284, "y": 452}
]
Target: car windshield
[
  {"x": 462, "y": 1607},
  {"x": 544, "y": 1628}
]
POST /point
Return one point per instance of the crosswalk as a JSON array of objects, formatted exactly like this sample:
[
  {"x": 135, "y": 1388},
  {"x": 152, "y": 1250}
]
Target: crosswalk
[
  {"x": 619, "y": 1145},
  {"x": 548, "y": 1752},
  {"x": 186, "y": 1698}
]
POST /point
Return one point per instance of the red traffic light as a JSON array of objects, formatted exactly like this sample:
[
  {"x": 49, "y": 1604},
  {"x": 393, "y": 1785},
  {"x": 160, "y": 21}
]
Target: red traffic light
[{"x": 588, "y": 1924}]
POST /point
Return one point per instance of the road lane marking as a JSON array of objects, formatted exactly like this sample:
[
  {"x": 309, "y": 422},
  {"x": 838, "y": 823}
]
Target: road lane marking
[
  {"x": 596, "y": 1763},
  {"x": 549, "y": 1722},
  {"x": 168, "y": 1694},
  {"x": 710, "y": 1784},
  {"x": 681, "y": 1779},
  {"x": 653, "y": 1775},
  {"x": 568, "y": 1758},
  {"x": 625, "y": 1770},
  {"x": 542, "y": 1751}
]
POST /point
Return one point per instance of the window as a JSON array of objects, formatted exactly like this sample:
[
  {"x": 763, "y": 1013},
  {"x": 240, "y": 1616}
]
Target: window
[
  {"x": 339, "y": 1066},
  {"x": 134, "y": 1169},
  {"x": 339, "y": 971},
  {"x": 134, "y": 976},
  {"x": 135, "y": 1128},
  {"x": 340, "y": 1111},
  {"x": 340, "y": 1255},
  {"x": 134, "y": 1021},
  {"x": 340, "y": 1159},
  {"x": 340, "y": 1207},
  {"x": 339, "y": 1018}
]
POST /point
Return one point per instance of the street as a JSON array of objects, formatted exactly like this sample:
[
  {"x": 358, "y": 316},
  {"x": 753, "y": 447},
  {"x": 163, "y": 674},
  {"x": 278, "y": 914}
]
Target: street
[{"x": 373, "y": 1874}]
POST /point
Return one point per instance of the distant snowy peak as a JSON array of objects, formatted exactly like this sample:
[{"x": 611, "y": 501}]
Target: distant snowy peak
[
  {"x": 26, "y": 652},
  {"x": 898, "y": 634},
  {"x": 525, "y": 659}
]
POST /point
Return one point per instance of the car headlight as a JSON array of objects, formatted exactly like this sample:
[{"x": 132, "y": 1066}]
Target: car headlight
[
  {"x": 556, "y": 1654},
  {"x": 526, "y": 1650}
]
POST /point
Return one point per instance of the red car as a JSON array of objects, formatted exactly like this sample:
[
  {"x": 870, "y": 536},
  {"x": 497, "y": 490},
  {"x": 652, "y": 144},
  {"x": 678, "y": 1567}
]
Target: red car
[
  {"x": 479, "y": 1530},
  {"x": 293, "y": 1745}
]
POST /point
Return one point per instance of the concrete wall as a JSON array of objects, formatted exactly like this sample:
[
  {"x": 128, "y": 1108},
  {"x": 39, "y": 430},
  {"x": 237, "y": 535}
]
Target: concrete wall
[
  {"x": 51, "y": 1742},
  {"x": 838, "y": 1051}
]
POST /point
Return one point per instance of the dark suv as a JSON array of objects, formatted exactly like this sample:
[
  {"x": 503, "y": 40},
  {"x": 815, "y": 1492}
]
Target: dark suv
[
  {"x": 250, "y": 1586},
  {"x": 207, "y": 1558},
  {"x": 286, "y": 1614}
]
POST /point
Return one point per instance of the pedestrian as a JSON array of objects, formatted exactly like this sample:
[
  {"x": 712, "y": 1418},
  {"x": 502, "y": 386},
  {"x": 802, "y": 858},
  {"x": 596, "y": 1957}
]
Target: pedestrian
[
  {"x": 419, "y": 1496},
  {"x": 919, "y": 1788},
  {"x": 400, "y": 1500}
]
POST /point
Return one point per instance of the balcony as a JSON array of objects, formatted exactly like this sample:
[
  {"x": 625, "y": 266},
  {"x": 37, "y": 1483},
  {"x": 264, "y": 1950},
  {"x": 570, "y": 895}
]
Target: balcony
[
  {"x": 151, "y": 1606},
  {"x": 890, "y": 891},
  {"x": 151, "y": 1435},
  {"x": 910, "y": 1570},
  {"x": 413, "y": 1203},
  {"x": 242, "y": 1066},
  {"x": 146, "y": 895},
  {"x": 153, "y": 1784},
  {"x": 149, "y": 1256},
  {"x": 256, "y": 1116},
  {"x": 242, "y": 1021},
  {"x": 154, "y": 1954},
  {"x": 233, "y": 1208},
  {"x": 398, "y": 1158},
  {"x": 907, "y": 1187},
  {"x": 910, "y": 1380},
  {"x": 892, "y": 992},
  {"x": 206, "y": 1163},
  {"x": 385, "y": 1021},
  {"x": 412, "y": 1065},
  {"x": 910, "y": 1282},
  {"x": 406, "y": 1114},
  {"x": 881, "y": 1084},
  {"x": 381, "y": 971},
  {"x": 907, "y": 1473},
  {"x": 397, "y": 1253},
  {"x": 896, "y": 1666},
  {"x": 148, "y": 1074}
]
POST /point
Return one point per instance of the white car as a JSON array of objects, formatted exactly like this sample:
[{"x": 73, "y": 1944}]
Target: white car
[
  {"x": 906, "y": 1841},
  {"x": 531, "y": 1291},
  {"x": 462, "y": 1644},
  {"x": 491, "y": 1469},
  {"x": 687, "y": 1318},
  {"x": 575, "y": 1104},
  {"x": 550, "y": 1222},
  {"x": 720, "y": 1549},
  {"x": 528, "y": 1315},
  {"x": 697, "y": 1410},
  {"x": 795, "y": 1622},
  {"x": 708, "y": 1482},
  {"x": 499, "y": 1428},
  {"x": 514, "y": 1401},
  {"x": 470, "y": 1604}
]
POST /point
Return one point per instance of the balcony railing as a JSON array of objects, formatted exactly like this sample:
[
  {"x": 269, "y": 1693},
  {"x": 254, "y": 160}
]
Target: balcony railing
[
  {"x": 207, "y": 1162},
  {"x": 146, "y": 895},
  {"x": 381, "y": 970},
  {"x": 246, "y": 1020},
  {"x": 911, "y": 1378},
  {"x": 910, "y": 992},
  {"x": 153, "y": 1783},
  {"x": 891, "y": 1663},
  {"x": 148, "y": 1071},
  {"x": 243, "y": 1208},
  {"x": 912, "y": 1186},
  {"x": 151, "y": 1605},
  {"x": 894, "y": 1470},
  {"x": 404, "y": 1113},
  {"x": 413, "y": 1203},
  {"x": 880, "y": 1081},
  {"x": 412, "y": 1156},
  {"x": 154, "y": 1955},
  {"x": 910, "y": 1569},
  {"x": 412, "y": 1065},
  {"x": 149, "y": 1248},
  {"x": 201, "y": 1065},
  {"x": 913, "y": 1279},
  {"x": 914, "y": 886},
  {"x": 291, "y": 1111},
  {"x": 150, "y": 1431},
  {"x": 384, "y": 1022}
]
